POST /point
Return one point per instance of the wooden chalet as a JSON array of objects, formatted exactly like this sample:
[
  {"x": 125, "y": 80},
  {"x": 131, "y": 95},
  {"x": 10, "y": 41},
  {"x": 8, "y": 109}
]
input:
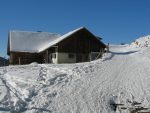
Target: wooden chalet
[{"x": 79, "y": 45}]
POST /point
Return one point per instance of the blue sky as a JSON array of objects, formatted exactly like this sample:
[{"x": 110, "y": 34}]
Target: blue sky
[{"x": 115, "y": 21}]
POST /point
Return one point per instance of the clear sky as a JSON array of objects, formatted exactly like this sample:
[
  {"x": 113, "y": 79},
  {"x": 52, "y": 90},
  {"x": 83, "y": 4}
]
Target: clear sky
[{"x": 115, "y": 21}]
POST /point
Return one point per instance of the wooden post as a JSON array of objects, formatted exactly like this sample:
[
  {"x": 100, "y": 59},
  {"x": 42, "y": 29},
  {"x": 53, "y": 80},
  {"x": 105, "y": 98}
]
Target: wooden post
[
  {"x": 19, "y": 61},
  {"x": 47, "y": 57},
  {"x": 108, "y": 48},
  {"x": 57, "y": 54},
  {"x": 11, "y": 58},
  {"x": 89, "y": 51}
]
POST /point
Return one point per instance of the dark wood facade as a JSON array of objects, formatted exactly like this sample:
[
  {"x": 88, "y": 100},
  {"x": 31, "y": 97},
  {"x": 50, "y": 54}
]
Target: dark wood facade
[
  {"x": 25, "y": 58},
  {"x": 82, "y": 42}
]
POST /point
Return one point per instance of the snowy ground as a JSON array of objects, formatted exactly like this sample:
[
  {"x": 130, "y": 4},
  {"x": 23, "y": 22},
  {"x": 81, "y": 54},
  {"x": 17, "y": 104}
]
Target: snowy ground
[{"x": 118, "y": 83}]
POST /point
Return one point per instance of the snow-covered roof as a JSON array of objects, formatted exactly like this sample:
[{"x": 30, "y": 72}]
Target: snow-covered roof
[
  {"x": 25, "y": 41},
  {"x": 36, "y": 42}
]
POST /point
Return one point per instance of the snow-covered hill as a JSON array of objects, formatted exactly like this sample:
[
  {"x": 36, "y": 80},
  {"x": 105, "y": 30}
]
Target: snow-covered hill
[
  {"x": 118, "y": 83},
  {"x": 141, "y": 42}
]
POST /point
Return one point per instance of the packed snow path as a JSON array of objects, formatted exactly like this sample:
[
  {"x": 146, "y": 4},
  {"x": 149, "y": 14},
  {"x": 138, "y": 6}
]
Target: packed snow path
[{"x": 118, "y": 83}]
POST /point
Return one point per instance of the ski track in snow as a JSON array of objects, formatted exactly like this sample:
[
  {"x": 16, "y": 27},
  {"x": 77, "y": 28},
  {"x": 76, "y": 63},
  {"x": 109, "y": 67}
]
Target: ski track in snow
[{"x": 118, "y": 83}]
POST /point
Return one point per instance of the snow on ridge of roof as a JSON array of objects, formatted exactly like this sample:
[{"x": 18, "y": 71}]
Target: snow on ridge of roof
[
  {"x": 60, "y": 38},
  {"x": 24, "y": 41},
  {"x": 71, "y": 32}
]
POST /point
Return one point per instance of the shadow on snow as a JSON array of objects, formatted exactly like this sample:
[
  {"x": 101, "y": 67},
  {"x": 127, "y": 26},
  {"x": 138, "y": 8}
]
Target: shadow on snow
[{"x": 119, "y": 53}]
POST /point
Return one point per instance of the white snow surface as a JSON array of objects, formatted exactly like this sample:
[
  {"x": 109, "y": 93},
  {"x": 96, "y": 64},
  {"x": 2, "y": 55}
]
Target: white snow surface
[
  {"x": 117, "y": 83},
  {"x": 34, "y": 42},
  {"x": 141, "y": 42}
]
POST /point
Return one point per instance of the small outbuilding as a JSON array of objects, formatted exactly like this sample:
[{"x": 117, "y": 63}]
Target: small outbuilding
[{"x": 79, "y": 45}]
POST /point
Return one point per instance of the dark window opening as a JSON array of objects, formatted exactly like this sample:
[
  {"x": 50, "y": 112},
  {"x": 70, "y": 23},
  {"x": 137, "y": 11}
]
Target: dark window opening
[{"x": 71, "y": 55}]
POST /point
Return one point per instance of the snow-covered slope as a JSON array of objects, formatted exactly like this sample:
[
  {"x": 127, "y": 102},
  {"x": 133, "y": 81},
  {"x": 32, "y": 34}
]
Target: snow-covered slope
[
  {"x": 141, "y": 42},
  {"x": 118, "y": 83}
]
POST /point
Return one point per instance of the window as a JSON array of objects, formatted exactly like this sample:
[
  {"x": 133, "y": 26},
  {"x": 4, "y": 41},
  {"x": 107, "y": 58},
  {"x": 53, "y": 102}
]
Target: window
[
  {"x": 71, "y": 55},
  {"x": 54, "y": 55}
]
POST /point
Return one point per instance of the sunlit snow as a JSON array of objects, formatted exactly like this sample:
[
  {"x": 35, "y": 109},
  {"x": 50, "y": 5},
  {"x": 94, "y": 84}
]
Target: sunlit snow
[{"x": 117, "y": 83}]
